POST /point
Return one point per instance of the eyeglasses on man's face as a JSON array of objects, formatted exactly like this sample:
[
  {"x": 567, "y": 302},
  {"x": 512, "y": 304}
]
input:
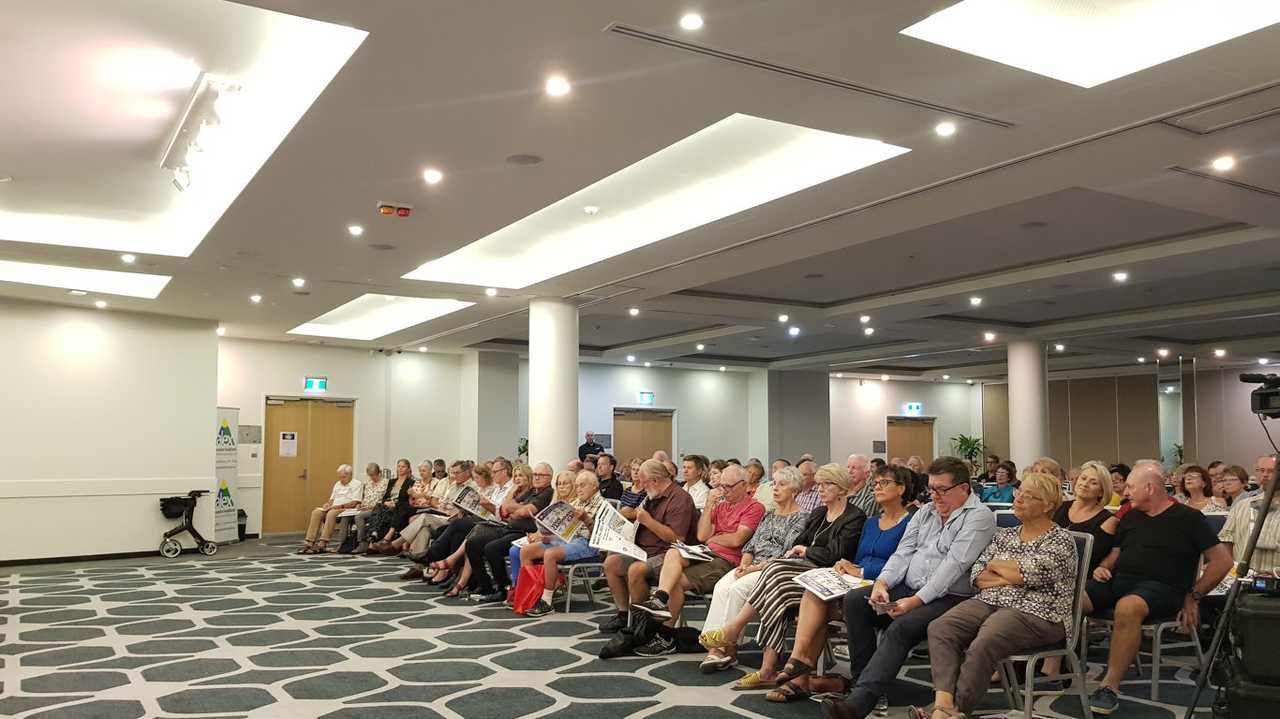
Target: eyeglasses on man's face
[{"x": 939, "y": 491}]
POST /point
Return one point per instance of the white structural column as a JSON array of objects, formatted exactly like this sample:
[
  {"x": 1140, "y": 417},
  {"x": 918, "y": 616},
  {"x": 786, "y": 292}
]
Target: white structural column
[
  {"x": 1028, "y": 402},
  {"x": 553, "y": 381}
]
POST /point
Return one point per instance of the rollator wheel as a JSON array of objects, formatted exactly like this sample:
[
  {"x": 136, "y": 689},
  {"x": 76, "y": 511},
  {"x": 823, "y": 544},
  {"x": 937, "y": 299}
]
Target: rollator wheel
[
  {"x": 170, "y": 548},
  {"x": 208, "y": 549}
]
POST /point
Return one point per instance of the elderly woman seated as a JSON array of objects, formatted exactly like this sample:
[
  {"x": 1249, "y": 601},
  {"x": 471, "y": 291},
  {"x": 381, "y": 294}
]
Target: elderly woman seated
[
  {"x": 346, "y": 494},
  {"x": 486, "y": 546},
  {"x": 1026, "y": 580},
  {"x": 830, "y": 534},
  {"x": 879, "y": 540},
  {"x": 553, "y": 550},
  {"x": 562, "y": 491},
  {"x": 776, "y": 534}
]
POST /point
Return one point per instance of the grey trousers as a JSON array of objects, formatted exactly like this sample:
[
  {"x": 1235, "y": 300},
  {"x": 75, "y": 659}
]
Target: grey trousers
[
  {"x": 362, "y": 531},
  {"x": 967, "y": 643}
]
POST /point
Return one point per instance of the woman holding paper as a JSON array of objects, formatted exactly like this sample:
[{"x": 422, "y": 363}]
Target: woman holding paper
[
  {"x": 880, "y": 537},
  {"x": 552, "y": 550},
  {"x": 563, "y": 492},
  {"x": 830, "y": 534}
]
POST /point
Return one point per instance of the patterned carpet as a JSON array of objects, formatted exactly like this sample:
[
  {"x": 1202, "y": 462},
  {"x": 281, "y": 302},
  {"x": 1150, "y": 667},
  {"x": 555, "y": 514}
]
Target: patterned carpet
[{"x": 338, "y": 637}]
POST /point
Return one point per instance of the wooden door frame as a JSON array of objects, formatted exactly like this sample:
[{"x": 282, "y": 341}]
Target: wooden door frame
[
  {"x": 675, "y": 422},
  {"x": 357, "y": 469}
]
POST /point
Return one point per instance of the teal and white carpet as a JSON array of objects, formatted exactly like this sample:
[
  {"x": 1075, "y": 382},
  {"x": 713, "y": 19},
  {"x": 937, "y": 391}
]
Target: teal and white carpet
[{"x": 338, "y": 637}]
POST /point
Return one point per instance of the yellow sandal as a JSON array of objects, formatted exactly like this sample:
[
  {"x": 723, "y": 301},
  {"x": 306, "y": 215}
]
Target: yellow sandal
[
  {"x": 754, "y": 681},
  {"x": 714, "y": 639}
]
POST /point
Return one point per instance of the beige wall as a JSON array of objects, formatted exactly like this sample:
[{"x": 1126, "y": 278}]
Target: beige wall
[
  {"x": 1225, "y": 427},
  {"x": 995, "y": 419}
]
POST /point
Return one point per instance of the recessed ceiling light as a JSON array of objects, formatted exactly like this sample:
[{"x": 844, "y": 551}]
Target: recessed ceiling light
[
  {"x": 591, "y": 210},
  {"x": 968, "y": 381},
  {"x": 783, "y": 318},
  {"x": 371, "y": 316},
  {"x": 868, "y": 331},
  {"x": 648, "y": 364},
  {"x": 100, "y": 304},
  {"x": 1168, "y": 389},
  {"x": 355, "y": 230},
  {"x": 299, "y": 282},
  {"x": 1120, "y": 276},
  {"x": 491, "y": 291},
  {"x": 432, "y": 176},
  {"x": 255, "y": 299},
  {"x": 1087, "y": 44},
  {"x": 731, "y": 166},
  {"x": 975, "y": 301},
  {"x": 221, "y": 331},
  {"x": 6, "y": 178},
  {"x": 109, "y": 282},
  {"x": 1059, "y": 347},
  {"x": 1224, "y": 163},
  {"x": 1142, "y": 360},
  {"x": 1162, "y": 352},
  {"x": 77, "y": 293},
  {"x": 989, "y": 336},
  {"x": 839, "y": 375},
  {"x": 864, "y": 319},
  {"x": 701, "y": 347},
  {"x": 633, "y": 311},
  {"x": 945, "y": 129},
  {"x": 946, "y": 376},
  {"x": 884, "y": 378},
  {"x": 631, "y": 358},
  {"x": 558, "y": 86},
  {"x": 422, "y": 348},
  {"x": 1219, "y": 353},
  {"x": 1263, "y": 360},
  {"x": 793, "y": 331},
  {"x": 722, "y": 368},
  {"x": 691, "y": 21},
  {"x": 128, "y": 259}
]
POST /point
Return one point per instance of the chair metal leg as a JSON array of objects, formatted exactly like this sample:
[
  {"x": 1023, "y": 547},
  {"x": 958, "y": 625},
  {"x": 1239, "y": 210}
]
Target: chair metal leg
[
  {"x": 591, "y": 593},
  {"x": 1078, "y": 683},
  {"x": 1009, "y": 696},
  {"x": 1157, "y": 641},
  {"x": 568, "y": 588},
  {"x": 1028, "y": 706}
]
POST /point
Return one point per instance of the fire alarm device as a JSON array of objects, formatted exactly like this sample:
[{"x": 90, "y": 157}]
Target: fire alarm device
[{"x": 397, "y": 209}]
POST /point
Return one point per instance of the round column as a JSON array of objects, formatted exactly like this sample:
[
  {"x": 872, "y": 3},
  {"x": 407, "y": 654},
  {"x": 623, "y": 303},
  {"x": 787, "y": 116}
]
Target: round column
[
  {"x": 553, "y": 381},
  {"x": 1028, "y": 402}
]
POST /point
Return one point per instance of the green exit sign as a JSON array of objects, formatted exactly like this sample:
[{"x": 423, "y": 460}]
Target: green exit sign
[{"x": 315, "y": 385}]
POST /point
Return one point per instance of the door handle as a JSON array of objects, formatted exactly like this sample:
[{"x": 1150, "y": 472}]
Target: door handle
[{"x": 303, "y": 475}]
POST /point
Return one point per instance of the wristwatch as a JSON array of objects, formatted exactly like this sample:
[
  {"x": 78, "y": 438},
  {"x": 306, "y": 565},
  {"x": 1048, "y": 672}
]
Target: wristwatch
[{"x": 1197, "y": 595}]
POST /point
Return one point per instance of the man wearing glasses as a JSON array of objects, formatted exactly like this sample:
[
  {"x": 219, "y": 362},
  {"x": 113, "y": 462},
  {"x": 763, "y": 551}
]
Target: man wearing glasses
[{"x": 926, "y": 576}]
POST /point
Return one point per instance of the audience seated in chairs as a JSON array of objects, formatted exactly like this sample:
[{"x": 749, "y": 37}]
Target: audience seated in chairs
[
  {"x": 417, "y": 531},
  {"x": 830, "y": 534},
  {"x": 372, "y": 496},
  {"x": 696, "y": 481},
  {"x": 880, "y": 538},
  {"x": 1086, "y": 513},
  {"x": 925, "y": 577},
  {"x": 730, "y": 519},
  {"x": 1194, "y": 490},
  {"x": 776, "y": 534},
  {"x": 1234, "y": 483},
  {"x": 808, "y": 498},
  {"x": 1150, "y": 573},
  {"x": 862, "y": 492},
  {"x": 487, "y": 545},
  {"x": 562, "y": 491},
  {"x": 607, "y": 476},
  {"x": 445, "y": 556},
  {"x": 1026, "y": 579},
  {"x": 385, "y": 523},
  {"x": 1002, "y": 492},
  {"x": 668, "y": 516},
  {"x": 346, "y": 494},
  {"x": 551, "y": 551}
]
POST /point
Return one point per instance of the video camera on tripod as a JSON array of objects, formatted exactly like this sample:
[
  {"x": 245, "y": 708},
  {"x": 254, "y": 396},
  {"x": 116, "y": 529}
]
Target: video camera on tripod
[{"x": 1265, "y": 400}]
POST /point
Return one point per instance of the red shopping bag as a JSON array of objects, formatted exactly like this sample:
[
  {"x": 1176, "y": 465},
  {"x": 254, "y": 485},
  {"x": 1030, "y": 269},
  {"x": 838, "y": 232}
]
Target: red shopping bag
[{"x": 529, "y": 585}]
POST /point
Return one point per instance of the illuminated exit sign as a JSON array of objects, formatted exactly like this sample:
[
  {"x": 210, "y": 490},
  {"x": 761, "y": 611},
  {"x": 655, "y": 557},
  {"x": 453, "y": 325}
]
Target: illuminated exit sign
[
  {"x": 913, "y": 409},
  {"x": 315, "y": 385}
]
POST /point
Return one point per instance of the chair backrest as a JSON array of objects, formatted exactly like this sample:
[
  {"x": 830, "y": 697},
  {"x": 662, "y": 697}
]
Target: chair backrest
[
  {"x": 1006, "y": 518},
  {"x": 1216, "y": 521},
  {"x": 1084, "y": 553}
]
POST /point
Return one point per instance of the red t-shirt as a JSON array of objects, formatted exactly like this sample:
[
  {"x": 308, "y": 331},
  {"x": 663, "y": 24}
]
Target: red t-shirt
[{"x": 726, "y": 518}]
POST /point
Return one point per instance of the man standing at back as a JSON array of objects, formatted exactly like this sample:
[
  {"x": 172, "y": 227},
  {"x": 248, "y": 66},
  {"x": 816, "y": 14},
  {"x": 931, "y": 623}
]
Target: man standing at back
[
  {"x": 589, "y": 447},
  {"x": 926, "y": 576},
  {"x": 1150, "y": 574}
]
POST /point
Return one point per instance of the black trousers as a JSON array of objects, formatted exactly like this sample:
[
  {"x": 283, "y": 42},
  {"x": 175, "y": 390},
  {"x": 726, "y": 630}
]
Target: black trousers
[
  {"x": 875, "y": 665},
  {"x": 487, "y": 547},
  {"x": 450, "y": 538}
]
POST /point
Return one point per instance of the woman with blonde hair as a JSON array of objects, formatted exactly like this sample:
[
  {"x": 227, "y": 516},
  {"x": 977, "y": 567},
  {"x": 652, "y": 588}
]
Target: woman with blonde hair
[{"x": 586, "y": 501}]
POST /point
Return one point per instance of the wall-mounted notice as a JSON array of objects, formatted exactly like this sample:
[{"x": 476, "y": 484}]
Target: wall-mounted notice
[{"x": 288, "y": 444}]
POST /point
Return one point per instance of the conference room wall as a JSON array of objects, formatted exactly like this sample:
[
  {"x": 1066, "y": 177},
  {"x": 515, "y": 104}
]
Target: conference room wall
[
  {"x": 860, "y": 409},
  {"x": 106, "y": 412}
]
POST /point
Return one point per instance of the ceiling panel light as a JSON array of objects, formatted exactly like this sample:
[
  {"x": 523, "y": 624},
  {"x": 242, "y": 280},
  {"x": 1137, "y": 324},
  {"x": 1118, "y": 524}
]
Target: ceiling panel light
[
  {"x": 989, "y": 336},
  {"x": 648, "y": 364},
  {"x": 1162, "y": 352},
  {"x": 558, "y": 86},
  {"x": 355, "y": 230},
  {"x": 864, "y": 319},
  {"x": 975, "y": 301},
  {"x": 1120, "y": 276},
  {"x": 701, "y": 347},
  {"x": 1142, "y": 360},
  {"x": 783, "y": 318},
  {"x": 1059, "y": 347},
  {"x": 100, "y": 304},
  {"x": 733, "y": 165},
  {"x": 946, "y": 377},
  {"x": 1219, "y": 353},
  {"x": 108, "y": 282},
  {"x": 945, "y": 129},
  {"x": 422, "y": 348},
  {"x": 793, "y": 331},
  {"x": 691, "y": 21},
  {"x": 631, "y": 358},
  {"x": 371, "y": 316},
  {"x": 634, "y": 311},
  {"x": 77, "y": 293},
  {"x": 591, "y": 210},
  {"x": 432, "y": 176},
  {"x": 299, "y": 282},
  {"x": 255, "y": 299},
  {"x": 1089, "y": 43},
  {"x": 221, "y": 331},
  {"x": 128, "y": 259},
  {"x": 868, "y": 331},
  {"x": 1224, "y": 163},
  {"x": 279, "y": 75},
  {"x": 884, "y": 378},
  {"x": 839, "y": 375},
  {"x": 722, "y": 368},
  {"x": 491, "y": 291}
]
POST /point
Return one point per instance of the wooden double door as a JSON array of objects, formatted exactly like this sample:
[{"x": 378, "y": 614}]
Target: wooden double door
[
  {"x": 641, "y": 432},
  {"x": 305, "y": 441},
  {"x": 911, "y": 436}
]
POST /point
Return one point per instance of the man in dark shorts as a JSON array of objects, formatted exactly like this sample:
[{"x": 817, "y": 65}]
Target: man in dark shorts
[{"x": 1150, "y": 574}]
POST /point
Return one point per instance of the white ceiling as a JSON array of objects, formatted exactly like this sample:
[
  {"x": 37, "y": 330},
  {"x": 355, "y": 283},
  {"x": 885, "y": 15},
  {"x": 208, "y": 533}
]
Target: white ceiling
[{"x": 458, "y": 86}]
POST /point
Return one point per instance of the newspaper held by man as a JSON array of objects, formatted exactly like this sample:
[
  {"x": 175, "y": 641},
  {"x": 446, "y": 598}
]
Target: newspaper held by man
[
  {"x": 559, "y": 519},
  {"x": 468, "y": 500},
  {"x": 695, "y": 553},
  {"x": 613, "y": 533},
  {"x": 828, "y": 584}
]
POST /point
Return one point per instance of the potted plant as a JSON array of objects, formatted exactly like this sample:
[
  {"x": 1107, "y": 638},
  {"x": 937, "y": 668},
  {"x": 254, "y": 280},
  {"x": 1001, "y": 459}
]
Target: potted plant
[
  {"x": 522, "y": 448},
  {"x": 970, "y": 448}
]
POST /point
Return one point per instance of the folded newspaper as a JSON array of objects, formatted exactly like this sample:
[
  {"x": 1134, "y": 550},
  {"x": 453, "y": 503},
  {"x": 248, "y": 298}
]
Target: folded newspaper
[
  {"x": 468, "y": 500},
  {"x": 613, "y": 533},
  {"x": 695, "y": 553},
  {"x": 558, "y": 519},
  {"x": 829, "y": 584}
]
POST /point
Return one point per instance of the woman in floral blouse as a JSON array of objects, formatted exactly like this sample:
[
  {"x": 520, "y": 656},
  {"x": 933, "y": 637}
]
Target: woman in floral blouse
[{"x": 1026, "y": 580}]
